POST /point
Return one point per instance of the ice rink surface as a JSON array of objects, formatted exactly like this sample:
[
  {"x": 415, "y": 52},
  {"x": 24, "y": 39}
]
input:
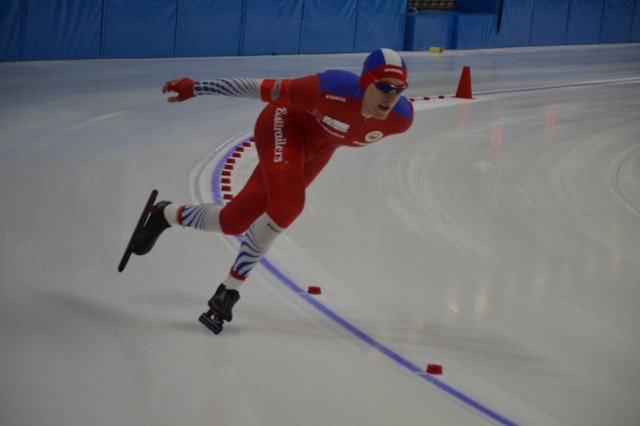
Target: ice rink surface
[{"x": 499, "y": 238}]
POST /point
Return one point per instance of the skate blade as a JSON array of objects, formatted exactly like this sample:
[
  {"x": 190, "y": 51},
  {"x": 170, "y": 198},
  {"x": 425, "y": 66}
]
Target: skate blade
[
  {"x": 213, "y": 324},
  {"x": 141, "y": 221}
]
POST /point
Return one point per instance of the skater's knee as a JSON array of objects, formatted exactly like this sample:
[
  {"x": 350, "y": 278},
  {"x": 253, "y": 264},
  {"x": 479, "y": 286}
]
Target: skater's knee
[
  {"x": 235, "y": 224},
  {"x": 285, "y": 213},
  {"x": 234, "y": 228}
]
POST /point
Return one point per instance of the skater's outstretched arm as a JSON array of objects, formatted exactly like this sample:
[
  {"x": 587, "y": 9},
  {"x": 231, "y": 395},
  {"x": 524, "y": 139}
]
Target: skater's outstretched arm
[
  {"x": 302, "y": 92},
  {"x": 187, "y": 88}
]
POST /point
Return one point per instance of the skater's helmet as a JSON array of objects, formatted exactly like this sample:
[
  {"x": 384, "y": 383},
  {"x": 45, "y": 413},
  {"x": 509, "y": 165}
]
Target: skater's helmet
[{"x": 383, "y": 64}]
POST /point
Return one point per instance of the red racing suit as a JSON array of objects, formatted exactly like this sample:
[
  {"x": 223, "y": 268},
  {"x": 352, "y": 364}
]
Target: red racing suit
[{"x": 296, "y": 134}]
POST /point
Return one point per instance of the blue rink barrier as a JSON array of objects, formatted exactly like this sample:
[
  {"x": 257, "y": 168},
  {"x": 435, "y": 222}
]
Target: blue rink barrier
[
  {"x": 429, "y": 29},
  {"x": 617, "y": 20},
  {"x": 585, "y": 20},
  {"x": 208, "y": 28},
  {"x": 549, "y": 22},
  {"x": 328, "y": 27},
  {"x": 271, "y": 27},
  {"x": 481, "y": 24},
  {"x": 131, "y": 31},
  {"x": 48, "y": 31},
  {"x": 90, "y": 29},
  {"x": 10, "y": 29},
  {"x": 476, "y": 31}
]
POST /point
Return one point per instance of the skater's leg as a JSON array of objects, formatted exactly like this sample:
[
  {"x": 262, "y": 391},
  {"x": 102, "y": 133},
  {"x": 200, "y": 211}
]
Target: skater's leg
[
  {"x": 203, "y": 217},
  {"x": 234, "y": 218},
  {"x": 282, "y": 197},
  {"x": 255, "y": 244},
  {"x": 257, "y": 241},
  {"x": 283, "y": 178},
  {"x": 282, "y": 187},
  {"x": 246, "y": 206}
]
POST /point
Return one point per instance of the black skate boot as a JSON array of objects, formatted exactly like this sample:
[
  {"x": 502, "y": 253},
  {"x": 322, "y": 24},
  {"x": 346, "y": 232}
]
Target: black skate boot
[
  {"x": 222, "y": 302},
  {"x": 142, "y": 220},
  {"x": 152, "y": 229},
  {"x": 220, "y": 306}
]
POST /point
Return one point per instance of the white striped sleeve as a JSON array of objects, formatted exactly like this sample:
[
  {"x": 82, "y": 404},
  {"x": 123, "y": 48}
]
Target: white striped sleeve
[{"x": 238, "y": 87}]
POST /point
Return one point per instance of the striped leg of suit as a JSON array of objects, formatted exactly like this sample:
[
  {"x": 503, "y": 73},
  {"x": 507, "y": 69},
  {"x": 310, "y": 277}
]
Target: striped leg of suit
[
  {"x": 204, "y": 217},
  {"x": 255, "y": 244}
]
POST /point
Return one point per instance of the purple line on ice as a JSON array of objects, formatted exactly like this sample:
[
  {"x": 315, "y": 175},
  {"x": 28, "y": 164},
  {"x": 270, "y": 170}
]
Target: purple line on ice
[{"x": 389, "y": 353}]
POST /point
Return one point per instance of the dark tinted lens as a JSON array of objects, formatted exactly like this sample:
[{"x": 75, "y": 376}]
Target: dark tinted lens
[{"x": 387, "y": 88}]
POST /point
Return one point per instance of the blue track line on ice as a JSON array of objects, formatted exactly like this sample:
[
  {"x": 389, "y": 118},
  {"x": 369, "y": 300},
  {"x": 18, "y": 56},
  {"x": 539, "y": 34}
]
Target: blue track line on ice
[{"x": 394, "y": 356}]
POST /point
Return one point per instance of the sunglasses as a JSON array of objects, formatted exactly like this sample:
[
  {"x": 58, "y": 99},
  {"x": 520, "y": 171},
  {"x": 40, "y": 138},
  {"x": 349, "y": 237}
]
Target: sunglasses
[{"x": 387, "y": 88}]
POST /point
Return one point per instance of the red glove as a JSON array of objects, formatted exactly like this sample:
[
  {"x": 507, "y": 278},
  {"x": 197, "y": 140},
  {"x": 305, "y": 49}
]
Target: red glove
[{"x": 182, "y": 86}]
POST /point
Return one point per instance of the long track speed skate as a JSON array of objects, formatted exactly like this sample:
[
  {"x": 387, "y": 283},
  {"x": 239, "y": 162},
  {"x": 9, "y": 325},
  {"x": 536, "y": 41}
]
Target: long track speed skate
[
  {"x": 219, "y": 311},
  {"x": 213, "y": 322},
  {"x": 148, "y": 208}
]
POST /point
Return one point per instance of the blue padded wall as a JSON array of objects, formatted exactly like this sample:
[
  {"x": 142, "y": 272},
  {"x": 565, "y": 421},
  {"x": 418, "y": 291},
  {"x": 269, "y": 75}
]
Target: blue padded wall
[
  {"x": 380, "y": 24},
  {"x": 272, "y": 27},
  {"x": 429, "y": 29},
  {"x": 476, "y": 31},
  {"x": 549, "y": 22},
  {"x": 61, "y": 29},
  {"x": 209, "y": 28},
  {"x": 515, "y": 25},
  {"x": 476, "y": 24},
  {"x": 10, "y": 28},
  {"x": 477, "y": 6},
  {"x": 74, "y": 29},
  {"x": 328, "y": 26},
  {"x": 585, "y": 20},
  {"x": 139, "y": 28},
  {"x": 617, "y": 20},
  {"x": 635, "y": 29}
]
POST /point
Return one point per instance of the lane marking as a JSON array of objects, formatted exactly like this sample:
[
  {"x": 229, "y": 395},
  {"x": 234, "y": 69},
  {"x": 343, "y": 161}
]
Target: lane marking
[{"x": 215, "y": 185}]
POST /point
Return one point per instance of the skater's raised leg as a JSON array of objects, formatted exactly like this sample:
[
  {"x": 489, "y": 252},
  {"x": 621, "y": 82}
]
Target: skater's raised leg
[
  {"x": 155, "y": 225},
  {"x": 204, "y": 217}
]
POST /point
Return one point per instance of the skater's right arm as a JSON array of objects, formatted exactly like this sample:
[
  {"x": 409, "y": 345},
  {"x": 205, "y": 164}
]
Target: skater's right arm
[
  {"x": 238, "y": 87},
  {"x": 302, "y": 92}
]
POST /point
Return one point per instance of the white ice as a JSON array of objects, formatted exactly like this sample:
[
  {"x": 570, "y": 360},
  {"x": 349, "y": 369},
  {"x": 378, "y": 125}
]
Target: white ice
[{"x": 499, "y": 238}]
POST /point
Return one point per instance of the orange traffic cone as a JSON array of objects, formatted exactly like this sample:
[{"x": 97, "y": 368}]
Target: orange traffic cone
[{"x": 464, "y": 85}]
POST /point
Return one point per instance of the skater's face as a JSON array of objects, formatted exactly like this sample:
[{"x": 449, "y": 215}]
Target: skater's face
[{"x": 380, "y": 97}]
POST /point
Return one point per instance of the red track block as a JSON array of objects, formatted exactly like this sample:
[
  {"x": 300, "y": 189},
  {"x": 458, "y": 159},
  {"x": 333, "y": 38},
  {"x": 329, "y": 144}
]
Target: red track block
[
  {"x": 314, "y": 290},
  {"x": 434, "y": 369}
]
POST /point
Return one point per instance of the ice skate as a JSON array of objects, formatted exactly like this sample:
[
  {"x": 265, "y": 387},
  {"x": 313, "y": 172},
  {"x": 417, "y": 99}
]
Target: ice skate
[
  {"x": 146, "y": 211},
  {"x": 151, "y": 230},
  {"x": 220, "y": 306}
]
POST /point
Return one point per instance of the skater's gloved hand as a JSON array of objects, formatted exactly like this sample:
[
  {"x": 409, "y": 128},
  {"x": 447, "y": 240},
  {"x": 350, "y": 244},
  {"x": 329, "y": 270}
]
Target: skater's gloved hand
[{"x": 182, "y": 86}]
